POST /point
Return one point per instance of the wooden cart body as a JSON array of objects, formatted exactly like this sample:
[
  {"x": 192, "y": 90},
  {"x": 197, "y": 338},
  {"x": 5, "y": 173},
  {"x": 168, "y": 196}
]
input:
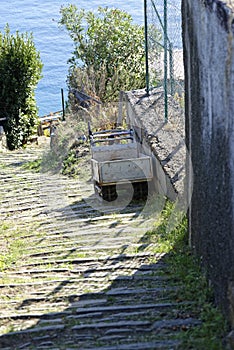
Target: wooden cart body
[
  {"x": 115, "y": 159},
  {"x": 120, "y": 163}
]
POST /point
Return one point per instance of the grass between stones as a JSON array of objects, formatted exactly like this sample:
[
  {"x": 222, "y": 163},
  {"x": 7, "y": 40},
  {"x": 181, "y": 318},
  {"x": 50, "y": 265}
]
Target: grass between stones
[
  {"x": 182, "y": 268},
  {"x": 186, "y": 272},
  {"x": 14, "y": 243},
  {"x": 12, "y": 246},
  {"x": 33, "y": 165}
]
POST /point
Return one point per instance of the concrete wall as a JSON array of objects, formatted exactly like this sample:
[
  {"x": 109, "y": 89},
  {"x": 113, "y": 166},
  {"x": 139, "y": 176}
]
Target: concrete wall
[
  {"x": 164, "y": 142},
  {"x": 209, "y": 81},
  {"x": 162, "y": 182}
]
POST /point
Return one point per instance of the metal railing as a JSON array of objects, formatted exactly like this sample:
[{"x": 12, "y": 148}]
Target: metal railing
[{"x": 163, "y": 46}]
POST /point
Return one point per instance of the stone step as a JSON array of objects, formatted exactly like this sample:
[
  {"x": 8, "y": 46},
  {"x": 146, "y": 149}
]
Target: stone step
[
  {"x": 106, "y": 259},
  {"x": 68, "y": 247},
  {"x": 114, "y": 308},
  {"x": 109, "y": 325},
  {"x": 139, "y": 278},
  {"x": 154, "y": 345}
]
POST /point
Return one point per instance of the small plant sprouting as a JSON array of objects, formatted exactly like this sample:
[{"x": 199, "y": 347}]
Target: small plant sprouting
[{"x": 34, "y": 165}]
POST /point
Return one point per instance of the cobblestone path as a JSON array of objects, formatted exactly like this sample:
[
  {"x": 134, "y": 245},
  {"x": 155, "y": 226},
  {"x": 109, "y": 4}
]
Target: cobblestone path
[{"x": 84, "y": 280}]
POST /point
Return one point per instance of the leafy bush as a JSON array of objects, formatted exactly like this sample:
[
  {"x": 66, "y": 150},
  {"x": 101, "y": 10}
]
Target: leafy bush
[
  {"x": 20, "y": 71},
  {"x": 109, "y": 53}
]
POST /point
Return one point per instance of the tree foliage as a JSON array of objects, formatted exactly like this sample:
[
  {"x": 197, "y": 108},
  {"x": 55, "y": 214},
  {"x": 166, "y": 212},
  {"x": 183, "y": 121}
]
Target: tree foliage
[
  {"x": 20, "y": 71},
  {"x": 109, "y": 51}
]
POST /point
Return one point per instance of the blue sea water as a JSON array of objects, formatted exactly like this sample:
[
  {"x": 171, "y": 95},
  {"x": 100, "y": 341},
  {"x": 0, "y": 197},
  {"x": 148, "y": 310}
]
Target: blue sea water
[{"x": 41, "y": 18}]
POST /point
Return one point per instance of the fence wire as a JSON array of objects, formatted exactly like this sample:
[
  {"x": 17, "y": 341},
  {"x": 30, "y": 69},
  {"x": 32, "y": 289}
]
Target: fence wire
[{"x": 164, "y": 51}]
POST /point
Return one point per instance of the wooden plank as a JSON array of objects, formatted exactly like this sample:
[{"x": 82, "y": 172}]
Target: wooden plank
[
  {"x": 95, "y": 170},
  {"x": 115, "y": 151},
  {"x": 110, "y": 172}
]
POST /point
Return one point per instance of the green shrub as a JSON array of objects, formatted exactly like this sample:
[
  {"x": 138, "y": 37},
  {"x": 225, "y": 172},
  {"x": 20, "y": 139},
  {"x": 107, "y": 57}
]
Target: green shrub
[
  {"x": 20, "y": 71},
  {"x": 109, "y": 51}
]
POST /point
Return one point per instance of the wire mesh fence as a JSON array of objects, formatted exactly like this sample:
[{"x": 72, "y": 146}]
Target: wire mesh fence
[{"x": 164, "y": 53}]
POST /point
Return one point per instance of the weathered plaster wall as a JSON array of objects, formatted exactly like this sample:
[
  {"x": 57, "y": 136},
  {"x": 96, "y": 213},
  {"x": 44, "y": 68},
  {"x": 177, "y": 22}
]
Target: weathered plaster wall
[{"x": 209, "y": 80}]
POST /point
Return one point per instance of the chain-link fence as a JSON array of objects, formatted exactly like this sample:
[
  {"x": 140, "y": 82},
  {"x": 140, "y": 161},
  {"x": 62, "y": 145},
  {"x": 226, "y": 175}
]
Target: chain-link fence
[{"x": 164, "y": 55}]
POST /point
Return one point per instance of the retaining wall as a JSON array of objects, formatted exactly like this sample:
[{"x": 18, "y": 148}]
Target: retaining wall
[{"x": 164, "y": 142}]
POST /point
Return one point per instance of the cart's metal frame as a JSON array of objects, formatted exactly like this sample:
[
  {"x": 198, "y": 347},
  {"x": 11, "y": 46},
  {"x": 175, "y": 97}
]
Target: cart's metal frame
[{"x": 116, "y": 159}]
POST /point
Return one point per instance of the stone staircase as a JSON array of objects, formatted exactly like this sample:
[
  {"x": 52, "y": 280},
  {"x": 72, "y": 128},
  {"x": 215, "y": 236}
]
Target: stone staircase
[{"x": 85, "y": 280}]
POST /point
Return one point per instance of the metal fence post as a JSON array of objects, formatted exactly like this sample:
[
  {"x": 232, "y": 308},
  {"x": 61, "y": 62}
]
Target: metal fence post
[
  {"x": 63, "y": 106},
  {"x": 146, "y": 49},
  {"x": 165, "y": 63},
  {"x": 163, "y": 39},
  {"x": 172, "y": 79}
]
